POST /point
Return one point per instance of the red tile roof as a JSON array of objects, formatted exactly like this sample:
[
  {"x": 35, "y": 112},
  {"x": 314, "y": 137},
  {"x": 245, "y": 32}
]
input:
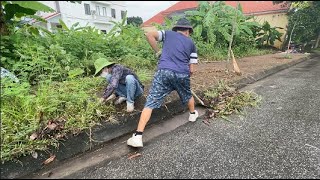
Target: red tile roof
[
  {"x": 49, "y": 16},
  {"x": 248, "y": 7},
  {"x": 181, "y": 5},
  {"x": 258, "y": 7}
]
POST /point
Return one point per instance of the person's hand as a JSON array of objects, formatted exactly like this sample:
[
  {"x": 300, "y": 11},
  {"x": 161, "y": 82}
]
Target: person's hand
[
  {"x": 158, "y": 54},
  {"x": 111, "y": 97}
]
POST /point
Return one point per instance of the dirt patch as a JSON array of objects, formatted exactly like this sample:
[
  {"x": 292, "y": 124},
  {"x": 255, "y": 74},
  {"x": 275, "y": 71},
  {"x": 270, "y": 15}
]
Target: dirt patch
[{"x": 208, "y": 74}]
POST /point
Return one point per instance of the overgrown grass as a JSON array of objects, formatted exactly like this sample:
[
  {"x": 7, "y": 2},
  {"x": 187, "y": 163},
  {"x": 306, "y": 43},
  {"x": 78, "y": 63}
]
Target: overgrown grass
[{"x": 72, "y": 104}]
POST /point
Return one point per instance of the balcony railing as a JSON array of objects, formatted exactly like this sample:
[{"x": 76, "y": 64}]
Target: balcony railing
[
  {"x": 103, "y": 2},
  {"x": 102, "y": 19}
]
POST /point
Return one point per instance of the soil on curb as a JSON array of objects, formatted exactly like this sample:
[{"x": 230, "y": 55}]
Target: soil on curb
[{"x": 208, "y": 74}]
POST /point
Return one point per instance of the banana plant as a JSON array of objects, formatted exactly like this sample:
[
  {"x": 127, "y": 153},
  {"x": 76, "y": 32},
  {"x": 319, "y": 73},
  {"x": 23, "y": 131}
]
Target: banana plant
[
  {"x": 168, "y": 23},
  {"x": 268, "y": 34},
  {"x": 210, "y": 20},
  {"x": 12, "y": 12},
  {"x": 117, "y": 26}
]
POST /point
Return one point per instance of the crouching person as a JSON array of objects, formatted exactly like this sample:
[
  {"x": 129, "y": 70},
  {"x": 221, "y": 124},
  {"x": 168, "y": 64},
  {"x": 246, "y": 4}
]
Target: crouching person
[{"x": 122, "y": 82}]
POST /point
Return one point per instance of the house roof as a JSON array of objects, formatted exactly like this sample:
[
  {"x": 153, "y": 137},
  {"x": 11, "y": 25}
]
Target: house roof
[
  {"x": 248, "y": 7},
  {"x": 258, "y": 7},
  {"x": 51, "y": 15},
  {"x": 181, "y": 5},
  {"x": 47, "y": 17}
]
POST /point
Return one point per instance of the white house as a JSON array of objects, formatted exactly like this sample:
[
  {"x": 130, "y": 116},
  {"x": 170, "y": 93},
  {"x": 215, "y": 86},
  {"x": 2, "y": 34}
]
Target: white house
[{"x": 92, "y": 13}]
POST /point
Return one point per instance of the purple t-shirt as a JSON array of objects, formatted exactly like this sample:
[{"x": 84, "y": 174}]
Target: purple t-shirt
[{"x": 177, "y": 53}]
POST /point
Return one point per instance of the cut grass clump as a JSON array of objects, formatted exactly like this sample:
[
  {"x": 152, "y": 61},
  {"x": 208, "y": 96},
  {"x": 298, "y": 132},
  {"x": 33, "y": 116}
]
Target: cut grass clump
[{"x": 224, "y": 100}]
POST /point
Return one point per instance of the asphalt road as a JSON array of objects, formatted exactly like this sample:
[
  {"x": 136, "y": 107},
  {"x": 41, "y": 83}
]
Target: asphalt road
[{"x": 280, "y": 139}]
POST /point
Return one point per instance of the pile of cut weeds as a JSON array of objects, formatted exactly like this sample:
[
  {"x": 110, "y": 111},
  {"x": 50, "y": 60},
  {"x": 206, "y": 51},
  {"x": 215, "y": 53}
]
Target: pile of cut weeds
[{"x": 223, "y": 101}]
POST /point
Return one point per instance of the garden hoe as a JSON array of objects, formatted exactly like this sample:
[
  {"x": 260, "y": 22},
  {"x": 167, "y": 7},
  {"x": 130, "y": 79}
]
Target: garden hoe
[{"x": 201, "y": 102}]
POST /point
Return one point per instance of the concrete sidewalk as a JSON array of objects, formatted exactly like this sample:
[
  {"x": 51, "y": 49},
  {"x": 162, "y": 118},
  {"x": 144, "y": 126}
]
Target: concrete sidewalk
[{"x": 75, "y": 145}]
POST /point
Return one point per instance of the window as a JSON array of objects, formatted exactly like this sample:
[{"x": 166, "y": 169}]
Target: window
[
  {"x": 104, "y": 11},
  {"x": 122, "y": 14},
  {"x": 55, "y": 27},
  {"x": 87, "y": 9},
  {"x": 98, "y": 10},
  {"x": 104, "y": 31},
  {"x": 113, "y": 13}
]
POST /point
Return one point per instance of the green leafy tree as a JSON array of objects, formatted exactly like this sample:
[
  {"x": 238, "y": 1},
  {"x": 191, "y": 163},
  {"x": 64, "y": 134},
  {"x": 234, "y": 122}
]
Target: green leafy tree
[
  {"x": 304, "y": 24},
  {"x": 168, "y": 23},
  {"x": 304, "y": 21},
  {"x": 137, "y": 21}
]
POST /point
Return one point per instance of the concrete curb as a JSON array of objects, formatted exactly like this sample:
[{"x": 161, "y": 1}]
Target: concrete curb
[{"x": 75, "y": 145}]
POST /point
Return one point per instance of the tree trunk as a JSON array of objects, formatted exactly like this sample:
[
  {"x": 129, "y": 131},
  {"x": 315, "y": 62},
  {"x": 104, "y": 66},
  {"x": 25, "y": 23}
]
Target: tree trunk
[
  {"x": 285, "y": 41},
  {"x": 317, "y": 41},
  {"x": 290, "y": 38},
  {"x": 3, "y": 26},
  {"x": 231, "y": 39},
  {"x": 235, "y": 65}
]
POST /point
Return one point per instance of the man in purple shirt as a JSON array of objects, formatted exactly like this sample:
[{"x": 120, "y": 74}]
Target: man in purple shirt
[
  {"x": 176, "y": 64},
  {"x": 123, "y": 82}
]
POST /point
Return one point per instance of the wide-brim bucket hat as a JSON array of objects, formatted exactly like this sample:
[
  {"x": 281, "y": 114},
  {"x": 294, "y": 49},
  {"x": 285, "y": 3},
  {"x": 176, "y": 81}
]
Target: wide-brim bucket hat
[
  {"x": 100, "y": 63},
  {"x": 183, "y": 23}
]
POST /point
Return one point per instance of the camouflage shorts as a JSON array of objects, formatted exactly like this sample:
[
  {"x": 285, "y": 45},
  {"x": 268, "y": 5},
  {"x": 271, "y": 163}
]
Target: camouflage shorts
[{"x": 164, "y": 82}]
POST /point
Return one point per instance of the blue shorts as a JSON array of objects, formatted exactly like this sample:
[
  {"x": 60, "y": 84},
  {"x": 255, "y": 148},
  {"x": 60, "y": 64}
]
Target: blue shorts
[{"x": 164, "y": 82}]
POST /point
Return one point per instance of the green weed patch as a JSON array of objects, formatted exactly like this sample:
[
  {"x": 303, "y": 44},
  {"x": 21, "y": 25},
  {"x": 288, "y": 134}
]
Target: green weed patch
[{"x": 38, "y": 117}]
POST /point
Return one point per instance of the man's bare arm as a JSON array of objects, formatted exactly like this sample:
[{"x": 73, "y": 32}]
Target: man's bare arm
[{"x": 152, "y": 38}]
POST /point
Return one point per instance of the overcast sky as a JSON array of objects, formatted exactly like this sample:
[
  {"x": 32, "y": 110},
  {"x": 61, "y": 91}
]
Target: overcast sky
[{"x": 147, "y": 9}]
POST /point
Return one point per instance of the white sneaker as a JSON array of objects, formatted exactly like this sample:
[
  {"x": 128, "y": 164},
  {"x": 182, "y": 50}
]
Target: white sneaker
[
  {"x": 193, "y": 117},
  {"x": 120, "y": 100},
  {"x": 130, "y": 107},
  {"x": 135, "y": 141}
]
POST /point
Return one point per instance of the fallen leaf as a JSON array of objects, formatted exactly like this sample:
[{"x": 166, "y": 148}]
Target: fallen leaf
[
  {"x": 206, "y": 122},
  {"x": 34, "y": 155},
  {"x": 52, "y": 126},
  {"x": 134, "y": 155},
  {"x": 33, "y": 136},
  {"x": 59, "y": 136},
  {"x": 211, "y": 114},
  {"x": 49, "y": 160}
]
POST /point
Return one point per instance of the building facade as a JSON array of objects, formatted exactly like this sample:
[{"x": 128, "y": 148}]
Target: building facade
[{"x": 97, "y": 14}]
